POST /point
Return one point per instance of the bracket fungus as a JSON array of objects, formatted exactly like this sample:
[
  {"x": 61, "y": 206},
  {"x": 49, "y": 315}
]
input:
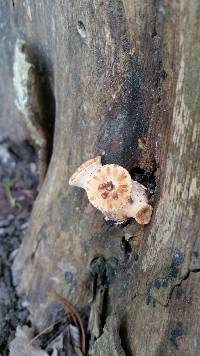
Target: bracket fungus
[{"x": 111, "y": 190}]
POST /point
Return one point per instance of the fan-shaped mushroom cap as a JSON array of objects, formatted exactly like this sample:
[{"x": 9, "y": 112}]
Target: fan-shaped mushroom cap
[
  {"x": 84, "y": 172},
  {"x": 109, "y": 188},
  {"x": 138, "y": 206}
]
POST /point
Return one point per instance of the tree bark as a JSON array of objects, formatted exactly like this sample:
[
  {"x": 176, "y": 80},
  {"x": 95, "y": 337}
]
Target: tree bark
[{"x": 125, "y": 77}]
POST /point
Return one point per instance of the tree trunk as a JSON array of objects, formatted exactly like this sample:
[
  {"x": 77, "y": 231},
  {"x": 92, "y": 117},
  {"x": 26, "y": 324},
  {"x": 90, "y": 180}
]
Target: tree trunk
[{"x": 125, "y": 77}]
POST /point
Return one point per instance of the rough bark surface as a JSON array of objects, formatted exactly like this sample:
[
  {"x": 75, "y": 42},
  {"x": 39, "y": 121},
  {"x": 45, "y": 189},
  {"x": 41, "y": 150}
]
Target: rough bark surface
[
  {"x": 125, "y": 78},
  {"x": 10, "y": 120}
]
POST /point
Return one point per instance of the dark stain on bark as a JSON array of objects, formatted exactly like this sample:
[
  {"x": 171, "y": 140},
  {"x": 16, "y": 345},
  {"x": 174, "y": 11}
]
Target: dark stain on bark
[
  {"x": 166, "y": 279},
  {"x": 124, "y": 122},
  {"x": 175, "y": 335},
  {"x": 124, "y": 117},
  {"x": 179, "y": 293}
]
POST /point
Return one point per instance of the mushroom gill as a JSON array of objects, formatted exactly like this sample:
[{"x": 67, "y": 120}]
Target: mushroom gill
[{"x": 109, "y": 188}]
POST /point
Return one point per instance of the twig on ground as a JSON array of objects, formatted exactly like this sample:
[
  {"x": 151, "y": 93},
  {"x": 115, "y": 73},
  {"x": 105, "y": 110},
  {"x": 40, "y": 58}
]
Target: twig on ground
[
  {"x": 48, "y": 328},
  {"x": 75, "y": 315}
]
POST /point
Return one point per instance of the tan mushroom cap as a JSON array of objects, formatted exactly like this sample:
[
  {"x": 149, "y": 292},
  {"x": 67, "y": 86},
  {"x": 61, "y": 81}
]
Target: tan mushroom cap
[
  {"x": 84, "y": 172},
  {"x": 143, "y": 216},
  {"x": 109, "y": 188}
]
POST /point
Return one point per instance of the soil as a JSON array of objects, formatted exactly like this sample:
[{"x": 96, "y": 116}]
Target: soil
[{"x": 18, "y": 189}]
